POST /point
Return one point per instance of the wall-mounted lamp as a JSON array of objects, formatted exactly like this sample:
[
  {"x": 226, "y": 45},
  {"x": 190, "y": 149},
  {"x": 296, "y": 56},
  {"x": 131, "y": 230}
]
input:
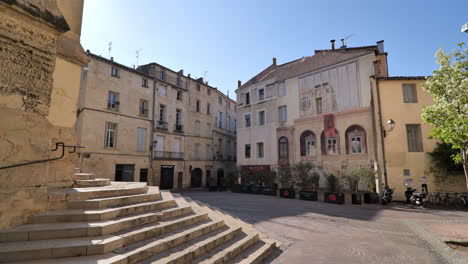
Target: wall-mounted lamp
[{"x": 390, "y": 126}]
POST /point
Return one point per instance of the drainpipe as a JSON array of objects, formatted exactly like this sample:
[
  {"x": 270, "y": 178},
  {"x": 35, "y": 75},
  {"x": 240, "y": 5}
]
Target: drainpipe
[
  {"x": 381, "y": 132},
  {"x": 152, "y": 133}
]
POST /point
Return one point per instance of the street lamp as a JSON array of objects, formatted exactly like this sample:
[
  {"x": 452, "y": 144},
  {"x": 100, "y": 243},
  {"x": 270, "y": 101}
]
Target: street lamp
[
  {"x": 464, "y": 28},
  {"x": 390, "y": 126}
]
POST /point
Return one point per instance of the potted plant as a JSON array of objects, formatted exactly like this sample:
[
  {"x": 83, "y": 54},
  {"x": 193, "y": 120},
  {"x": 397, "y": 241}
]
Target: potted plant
[
  {"x": 213, "y": 187},
  {"x": 258, "y": 179},
  {"x": 302, "y": 174},
  {"x": 333, "y": 196},
  {"x": 352, "y": 177},
  {"x": 287, "y": 182},
  {"x": 269, "y": 185},
  {"x": 244, "y": 177},
  {"x": 368, "y": 178}
]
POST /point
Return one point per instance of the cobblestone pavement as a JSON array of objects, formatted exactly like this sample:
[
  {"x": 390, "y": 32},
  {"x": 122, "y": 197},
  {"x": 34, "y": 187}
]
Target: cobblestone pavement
[{"x": 315, "y": 232}]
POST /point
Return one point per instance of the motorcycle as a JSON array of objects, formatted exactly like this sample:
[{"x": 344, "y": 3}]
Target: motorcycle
[
  {"x": 418, "y": 198},
  {"x": 387, "y": 195}
]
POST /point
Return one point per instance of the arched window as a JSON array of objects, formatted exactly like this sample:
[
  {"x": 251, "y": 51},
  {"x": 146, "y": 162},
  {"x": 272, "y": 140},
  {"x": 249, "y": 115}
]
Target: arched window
[
  {"x": 308, "y": 143},
  {"x": 283, "y": 151},
  {"x": 330, "y": 143},
  {"x": 356, "y": 140}
]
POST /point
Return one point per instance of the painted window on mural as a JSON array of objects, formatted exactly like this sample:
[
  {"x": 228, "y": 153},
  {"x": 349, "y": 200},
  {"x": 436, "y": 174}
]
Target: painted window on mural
[
  {"x": 308, "y": 144},
  {"x": 331, "y": 146},
  {"x": 356, "y": 144},
  {"x": 330, "y": 143},
  {"x": 355, "y": 140}
]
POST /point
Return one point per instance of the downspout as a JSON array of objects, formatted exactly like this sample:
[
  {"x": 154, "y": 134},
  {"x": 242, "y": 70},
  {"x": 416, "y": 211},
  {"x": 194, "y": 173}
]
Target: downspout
[
  {"x": 152, "y": 133},
  {"x": 382, "y": 133},
  {"x": 374, "y": 141}
]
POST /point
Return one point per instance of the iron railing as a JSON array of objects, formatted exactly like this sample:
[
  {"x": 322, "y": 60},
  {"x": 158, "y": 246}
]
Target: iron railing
[
  {"x": 161, "y": 125},
  {"x": 158, "y": 155}
]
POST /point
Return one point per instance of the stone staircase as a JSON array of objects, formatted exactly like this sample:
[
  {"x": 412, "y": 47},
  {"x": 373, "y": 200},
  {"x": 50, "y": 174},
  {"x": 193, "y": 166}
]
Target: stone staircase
[{"x": 128, "y": 222}]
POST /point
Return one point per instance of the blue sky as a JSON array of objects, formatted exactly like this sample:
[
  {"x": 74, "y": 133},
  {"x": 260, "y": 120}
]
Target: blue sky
[{"x": 226, "y": 41}]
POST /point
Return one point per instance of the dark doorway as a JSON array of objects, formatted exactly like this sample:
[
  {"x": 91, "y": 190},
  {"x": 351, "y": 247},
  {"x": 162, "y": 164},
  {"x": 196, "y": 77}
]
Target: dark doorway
[
  {"x": 220, "y": 178},
  {"x": 124, "y": 172},
  {"x": 196, "y": 178},
  {"x": 208, "y": 176},
  {"x": 143, "y": 175},
  {"x": 167, "y": 177}
]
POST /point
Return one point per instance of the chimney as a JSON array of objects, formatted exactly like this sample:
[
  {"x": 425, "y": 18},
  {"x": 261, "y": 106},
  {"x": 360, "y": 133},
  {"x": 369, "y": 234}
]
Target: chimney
[
  {"x": 188, "y": 75},
  {"x": 200, "y": 80},
  {"x": 274, "y": 61},
  {"x": 343, "y": 46},
  {"x": 239, "y": 83},
  {"x": 332, "y": 44},
  {"x": 380, "y": 46},
  {"x": 181, "y": 72},
  {"x": 112, "y": 58}
]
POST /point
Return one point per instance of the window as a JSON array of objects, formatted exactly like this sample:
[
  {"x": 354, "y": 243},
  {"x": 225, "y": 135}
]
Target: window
[
  {"x": 413, "y": 135},
  {"x": 159, "y": 146},
  {"x": 260, "y": 153},
  {"x": 247, "y": 98},
  {"x": 208, "y": 91},
  {"x": 261, "y": 117},
  {"x": 178, "y": 81},
  {"x": 113, "y": 101},
  {"x": 115, "y": 72},
  {"x": 409, "y": 93},
  {"x": 228, "y": 122},
  {"x": 220, "y": 120},
  {"x": 198, "y": 106},
  {"x": 208, "y": 129},
  {"x": 208, "y": 152},
  {"x": 235, "y": 125},
  {"x": 176, "y": 145},
  {"x": 197, "y": 151},
  {"x": 247, "y": 151},
  {"x": 162, "y": 113},
  {"x": 198, "y": 87},
  {"x": 141, "y": 139},
  {"x": 318, "y": 103},
  {"x": 179, "y": 95},
  {"x": 111, "y": 135},
  {"x": 282, "y": 89},
  {"x": 283, "y": 148},
  {"x": 355, "y": 140},
  {"x": 208, "y": 109},
  {"x": 247, "y": 120},
  {"x": 406, "y": 172},
  {"x": 282, "y": 114},
  {"x": 162, "y": 91},
  {"x": 197, "y": 128},
  {"x": 143, "y": 107},
  {"x": 220, "y": 100},
  {"x": 144, "y": 82},
  {"x": 331, "y": 146},
  {"x": 178, "y": 117},
  {"x": 162, "y": 75},
  {"x": 261, "y": 94},
  {"x": 308, "y": 146}
]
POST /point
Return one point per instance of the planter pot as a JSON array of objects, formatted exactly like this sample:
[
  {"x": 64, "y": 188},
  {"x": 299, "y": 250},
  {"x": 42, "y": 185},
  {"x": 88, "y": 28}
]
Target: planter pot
[
  {"x": 309, "y": 196},
  {"x": 256, "y": 189},
  {"x": 269, "y": 191},
  {"x": 245, "y": 188},
  {"x": 335, "y": 198},
  {"x": 222, "y": 188},
  {"x": 371, "y": 198},
  {"x": 356, "y": 198},
  {"x": 236, "y": 188},
  {"x": 212, "y": 188},
  {"x": 287, "y": 193}
]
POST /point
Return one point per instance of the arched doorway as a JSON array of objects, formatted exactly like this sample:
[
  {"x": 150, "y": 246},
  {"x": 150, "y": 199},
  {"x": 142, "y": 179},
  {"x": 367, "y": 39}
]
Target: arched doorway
[
  {"x": 220, "y": 178},
  {"x": 196, "y": 178}
]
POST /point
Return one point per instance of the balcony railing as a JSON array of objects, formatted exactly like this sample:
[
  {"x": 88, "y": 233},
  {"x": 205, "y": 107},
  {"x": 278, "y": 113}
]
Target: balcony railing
[
  {"x": 159, "y": 155},
  {"x": 162, "y": 125},
  {"x": 178, "y": 128}
]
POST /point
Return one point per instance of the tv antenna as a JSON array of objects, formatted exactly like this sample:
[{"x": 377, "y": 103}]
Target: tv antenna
[
  {"x": 344, "y": 41},
  {"x": 110, "y": 48},
  {"x": 204, "y": 75},
  {"x": 137, "y": 56}
]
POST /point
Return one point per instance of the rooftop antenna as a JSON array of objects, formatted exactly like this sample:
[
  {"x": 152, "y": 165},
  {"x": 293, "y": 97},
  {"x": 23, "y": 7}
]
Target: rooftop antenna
[
  {"x": 137, "y": 56},
  {"x": 204, "y": 75},
  {"x": 110, "y": 48},
  {"x": 228, "y": 93},
  {"x": 345, "y": 40}
]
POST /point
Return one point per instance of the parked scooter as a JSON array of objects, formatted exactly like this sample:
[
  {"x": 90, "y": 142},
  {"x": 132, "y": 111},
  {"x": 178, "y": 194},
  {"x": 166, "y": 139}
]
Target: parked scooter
[
  {"x": 418, "y": 198},
  {"x": 387, "y": 195}
]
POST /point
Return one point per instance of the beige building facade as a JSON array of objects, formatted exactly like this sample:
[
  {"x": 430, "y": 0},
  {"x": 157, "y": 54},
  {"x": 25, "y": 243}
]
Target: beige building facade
[
  {"x": 41, "y": 59},
  {"x": 114, "y": 121}
]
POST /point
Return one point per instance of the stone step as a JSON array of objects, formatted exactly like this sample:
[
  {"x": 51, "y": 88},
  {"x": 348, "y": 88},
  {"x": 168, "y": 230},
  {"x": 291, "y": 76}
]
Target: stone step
[
  {"x": 91, "y": 183},
  {"x": 256, "y": 253},
  {"x": 85, "y": 246},
  {"x": 96, "y": 203},
  {"x": 114, "y": 189},
  {"x": 83, "y": 176},
  {"x": 228, "y": 251},
  {"x": 141, "y": 250},
  {"x": 85, "y": 215},
  {"x": 33, "y": 232},
  {"x": 186, "y": 252}
]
